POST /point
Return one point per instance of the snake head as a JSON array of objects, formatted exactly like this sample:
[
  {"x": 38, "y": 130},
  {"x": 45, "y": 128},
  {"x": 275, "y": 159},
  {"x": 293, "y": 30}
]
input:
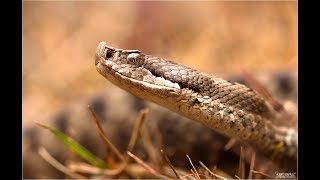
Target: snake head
[{"x": 113, "y": 56}]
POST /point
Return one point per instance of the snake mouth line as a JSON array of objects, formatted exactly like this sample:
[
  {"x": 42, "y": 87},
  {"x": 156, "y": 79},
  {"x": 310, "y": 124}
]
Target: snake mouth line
[{"x": 148, "y": 79}]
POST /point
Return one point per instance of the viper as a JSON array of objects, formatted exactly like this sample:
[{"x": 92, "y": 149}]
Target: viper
[{"x": 229, "y": 108}]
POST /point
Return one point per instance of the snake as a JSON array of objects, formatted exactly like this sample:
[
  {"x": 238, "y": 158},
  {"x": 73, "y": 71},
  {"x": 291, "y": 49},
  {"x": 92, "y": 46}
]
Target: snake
[{"x": 229, "y": 108}]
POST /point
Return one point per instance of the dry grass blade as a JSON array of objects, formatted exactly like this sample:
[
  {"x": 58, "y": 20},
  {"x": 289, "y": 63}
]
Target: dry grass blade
[
  {"x": 156, "y": 133},
  {"x": 46, "y": 156},
  {"x": 230, "y": 143},
  {"x": 196, "y": 173},
  {"x": 241, "y": 164},
  {"x": 167, "y": 171},
  {"x": 143, "y": 164},
  {"x": 149, "y": 144},
  {"x": 169, "y": 163},
  {"x": 215, "y": 175},
  {"x": 261, "y": 173},
  {"x": 214, "y": 171},
  {"x": 188, "y": 175},
  {"x": 252, "y": 165},
  {"x": 277, "y": 106},
  {"x": 262, "y": 90},
  {"x": 103, "y": 136},
  {"x": 146, "y": 166},
  {"x": 136, "y": 129},
  {"x": 89, "y": 169},
  {"x": 84, "y": 168},
  {"x": 237, "y": 177}
]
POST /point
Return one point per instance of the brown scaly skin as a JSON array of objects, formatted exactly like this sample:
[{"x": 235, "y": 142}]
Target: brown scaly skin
[{"x": 229, "y": 108}]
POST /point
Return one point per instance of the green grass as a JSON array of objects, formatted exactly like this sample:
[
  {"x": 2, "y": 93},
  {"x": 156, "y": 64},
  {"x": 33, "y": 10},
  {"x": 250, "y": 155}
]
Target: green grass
[{"x": 75, "y": 147}]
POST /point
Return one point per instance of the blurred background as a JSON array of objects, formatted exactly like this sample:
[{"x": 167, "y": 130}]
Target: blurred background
[
  {"x": 60, "y": 39},
  {"x": 217, "y": 37}
]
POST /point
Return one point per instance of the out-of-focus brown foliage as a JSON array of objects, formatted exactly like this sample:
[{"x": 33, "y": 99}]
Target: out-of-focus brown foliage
[{"x": 60, "y": 38}]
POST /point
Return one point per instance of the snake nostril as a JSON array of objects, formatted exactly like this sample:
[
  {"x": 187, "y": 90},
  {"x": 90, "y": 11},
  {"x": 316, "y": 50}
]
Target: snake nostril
[{"x": 109, "y": 54}]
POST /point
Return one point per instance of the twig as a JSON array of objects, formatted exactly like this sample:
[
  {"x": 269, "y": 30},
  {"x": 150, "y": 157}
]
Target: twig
[
  {"x": 230, "y": 143},
  {"x": 149, "y": 145},
  {"x": 196, "y": 173},
  {"x": 136, "y": 129},
  {"x": 169, "y": 163},
  {"x": 214, "y": 171},
  {"x": 136, "y": 171},
  {"x": 85, "y": 168},
  {"x": 103, "y": 136},
  {"x": 167, "y": 171},
  {"x": 46, "y": 156},
  {"x": 146, "y": 166},
  {"x": 157, "y": 134},
  {"x": 241, "y": 164},
  {"x": 192, "y": 175},
  {"x": 261, "y": 173},
  {"x": 252, "y": 165},
  {"x": 216, "y": 175},
  {"x": 89, "y": 169},
  {"x": 262, "y": 90},
  {"x": 277, "y": 106},
  {"x": 139, "y": 161},
  {"x": 187, "y": 175},
  {"x": 237, "y": 177}
]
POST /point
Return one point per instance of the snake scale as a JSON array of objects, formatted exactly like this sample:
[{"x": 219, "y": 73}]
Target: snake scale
[{"x": 231, "y": 109}]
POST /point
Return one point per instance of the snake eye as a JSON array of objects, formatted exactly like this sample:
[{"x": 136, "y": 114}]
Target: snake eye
[{"x": 133, "y": 57}]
